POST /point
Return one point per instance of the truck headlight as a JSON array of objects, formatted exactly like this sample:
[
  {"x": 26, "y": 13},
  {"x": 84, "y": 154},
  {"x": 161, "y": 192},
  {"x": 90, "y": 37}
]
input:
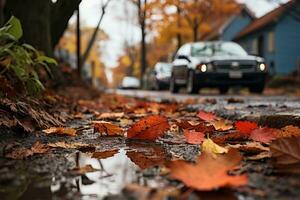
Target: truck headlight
[
  {"x": 262, "y": 67},
  {"x": 202, "y": 67}
]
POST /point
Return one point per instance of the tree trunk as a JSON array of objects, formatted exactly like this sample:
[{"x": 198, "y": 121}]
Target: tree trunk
[
  {"x": 34, "y": 16},
  {"x": 43, "y": 22},
  {"x": 178, "y": 36},
  {"x": 61, "y": 12},
  {"x": 142, "y": 19},
  {"x": 2, "y": 4},
  {"x": 195, "y": 33}
]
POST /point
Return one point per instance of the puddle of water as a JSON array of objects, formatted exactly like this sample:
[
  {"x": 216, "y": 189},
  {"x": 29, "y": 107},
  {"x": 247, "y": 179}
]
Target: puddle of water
[
  {"x": 115, "y": 173},
  {"x": 117, "y": 169}
]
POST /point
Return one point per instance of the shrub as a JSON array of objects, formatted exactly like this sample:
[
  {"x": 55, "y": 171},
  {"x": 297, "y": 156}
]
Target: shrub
[{"x": 20, "y": 64}]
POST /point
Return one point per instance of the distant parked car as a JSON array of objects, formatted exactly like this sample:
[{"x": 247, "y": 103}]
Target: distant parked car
[
  {"x": 217, "y": 64},
  {"x": 159, "y": 77},
  {"x": 130, "y": 82}
]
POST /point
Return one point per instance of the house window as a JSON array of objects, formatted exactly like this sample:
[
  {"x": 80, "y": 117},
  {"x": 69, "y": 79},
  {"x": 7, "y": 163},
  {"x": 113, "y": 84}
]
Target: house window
[{"x": 271, "y": 41}]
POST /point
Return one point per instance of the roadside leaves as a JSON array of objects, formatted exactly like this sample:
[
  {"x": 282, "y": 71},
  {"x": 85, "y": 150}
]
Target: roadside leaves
[
  {"x": 209, "y": 146},
  {"x": 245, "y": 127},
  {"x": 264, "y": 135},
  {"x": 74, "y": 145},
  {"x": 288, "y": 131},
  {"x": 222, "y": 125},
  {"x": 22, "y": 153},
  {"x": 285, "y": 153},
  {"x": 106, "y": 128},
  {"x": 105, "y": 154},
  {"x": 194, "y": 137},
  {"x": 207, "y": 116},
  {"x": 210, "y": 172},
  {"x": 60, "y": 131},
  {"x": 199, "y": 127},
  {"x": 149, "y": 128}
]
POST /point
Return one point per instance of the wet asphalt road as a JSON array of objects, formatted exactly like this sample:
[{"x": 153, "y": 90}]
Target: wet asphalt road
[{"x": 270, "y": 110}]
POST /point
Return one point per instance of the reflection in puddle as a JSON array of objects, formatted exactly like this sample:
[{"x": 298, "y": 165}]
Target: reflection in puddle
[{"x": 115, "y": 172}]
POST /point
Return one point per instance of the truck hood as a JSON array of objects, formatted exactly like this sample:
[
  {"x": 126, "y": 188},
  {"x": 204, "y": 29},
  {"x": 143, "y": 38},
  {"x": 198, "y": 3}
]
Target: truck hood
[{"x": 197, "y": 60}]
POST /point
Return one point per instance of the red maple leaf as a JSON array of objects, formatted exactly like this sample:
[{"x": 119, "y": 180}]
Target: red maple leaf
[
  {"x": 245, "y": 127},
  {"x": 207, "y": 116},
  {"x": 264, "y": 135},
  {"x": 149, "y": 128},
  {"x": 193, "y": 137}
]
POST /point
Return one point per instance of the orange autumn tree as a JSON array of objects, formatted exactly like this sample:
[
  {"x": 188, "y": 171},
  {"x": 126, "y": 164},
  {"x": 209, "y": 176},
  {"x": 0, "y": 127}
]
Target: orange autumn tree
[{"x": 68, "y": 43}]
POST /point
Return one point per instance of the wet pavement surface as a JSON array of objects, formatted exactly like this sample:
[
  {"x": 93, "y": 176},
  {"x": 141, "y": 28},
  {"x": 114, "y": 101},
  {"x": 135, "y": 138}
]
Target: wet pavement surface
[{"x": 118, "y": 162}]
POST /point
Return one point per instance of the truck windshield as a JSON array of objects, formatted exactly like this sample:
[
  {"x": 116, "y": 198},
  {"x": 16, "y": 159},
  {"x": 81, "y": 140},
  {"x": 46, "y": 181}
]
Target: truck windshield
[{"x": 217, "y": 49}]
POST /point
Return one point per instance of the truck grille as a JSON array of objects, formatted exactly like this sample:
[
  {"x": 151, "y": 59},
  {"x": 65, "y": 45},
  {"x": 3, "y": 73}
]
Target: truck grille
[{"x": 247, "y": 65}]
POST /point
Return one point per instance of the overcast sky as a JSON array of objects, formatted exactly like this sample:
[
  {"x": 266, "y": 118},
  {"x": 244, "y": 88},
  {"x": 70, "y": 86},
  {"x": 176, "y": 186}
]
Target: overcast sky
[{"x": 115, "y": 25}]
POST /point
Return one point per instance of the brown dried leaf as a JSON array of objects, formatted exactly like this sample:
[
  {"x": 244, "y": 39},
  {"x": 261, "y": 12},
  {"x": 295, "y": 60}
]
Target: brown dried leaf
[
  {"x": 60, "y": 131},
  {"x": 285, "y": 153},
  {"x": 222, "y": 125},
  {"x": 288, "y": 131},
  {"x": 22, "y": 153},
  {"x": 105, "y": 154}
]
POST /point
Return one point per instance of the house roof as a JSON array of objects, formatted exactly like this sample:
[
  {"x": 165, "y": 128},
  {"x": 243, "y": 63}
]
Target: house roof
[
  {"x": 220, "y": 25},
  {"x": 269, "y": 18}
]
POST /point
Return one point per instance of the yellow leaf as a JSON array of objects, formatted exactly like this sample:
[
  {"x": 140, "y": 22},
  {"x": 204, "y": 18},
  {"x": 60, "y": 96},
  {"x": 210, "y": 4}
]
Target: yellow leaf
[{"x": 210, "y": 147}]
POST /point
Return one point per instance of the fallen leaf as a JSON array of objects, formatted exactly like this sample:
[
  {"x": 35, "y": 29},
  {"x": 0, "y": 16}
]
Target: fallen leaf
[
  {"x": 285, "y": 154},
  {"x": 60, "y": 131},
  {"x": 149, "y": 128},
  {"x": 107, "y": 128},
  {"x": 209, "y": 146},
  {"x": 74, "y": 145},
  {"x": 262, "y": 155},
  {"x": 250, "y": 147},
  {"x": 245, "y": 127},
  {"x": 105, "y": 154},
  {"x": 207, "y": 116},
  {"x": 199, "y": 127},
  {"x": 83, "y": 170},
  {"x": 22, "y": 153},
  {"x": 210, "y": 172},
  {"x": 264, "y": 135},
  {"x": 111, "y": 115},
  {"x": 222, "y": 125},
  {"x": 288, "y": 131},
  {"x": 230, "y": 137},
  {"x": 193, "y": 137}
]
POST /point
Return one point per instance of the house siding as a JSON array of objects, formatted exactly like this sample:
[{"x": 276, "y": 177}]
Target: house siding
[
  {"x": 287, "y": 44},
  {"x": 236, "y": 25}
]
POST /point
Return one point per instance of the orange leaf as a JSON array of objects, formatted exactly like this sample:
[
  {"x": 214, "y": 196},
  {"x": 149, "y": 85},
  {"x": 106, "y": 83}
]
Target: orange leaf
[
  {"x": 207, "y": 116},
  {"x": 288, "y": 131},
  {"x": 245, "y": 127},
  {"x": 264, "y": 135},
  {"x": 60, "y": 131},
  {"x": 222, "y": 125},
  {"x": 210, "y": 172},
  {"x": 149, "y": 128},
  {"x": 193, "y": 137},
  {"x": 107, "y": 128},
  {"x": 105, "y": 154}
]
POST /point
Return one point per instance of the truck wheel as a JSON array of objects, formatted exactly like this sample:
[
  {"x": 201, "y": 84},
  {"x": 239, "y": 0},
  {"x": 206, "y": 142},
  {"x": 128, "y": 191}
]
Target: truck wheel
[
  {"x": 223, "y": 90},
  {"x": 191, "y": 86},
  {"x": 174, "y": 88}
]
